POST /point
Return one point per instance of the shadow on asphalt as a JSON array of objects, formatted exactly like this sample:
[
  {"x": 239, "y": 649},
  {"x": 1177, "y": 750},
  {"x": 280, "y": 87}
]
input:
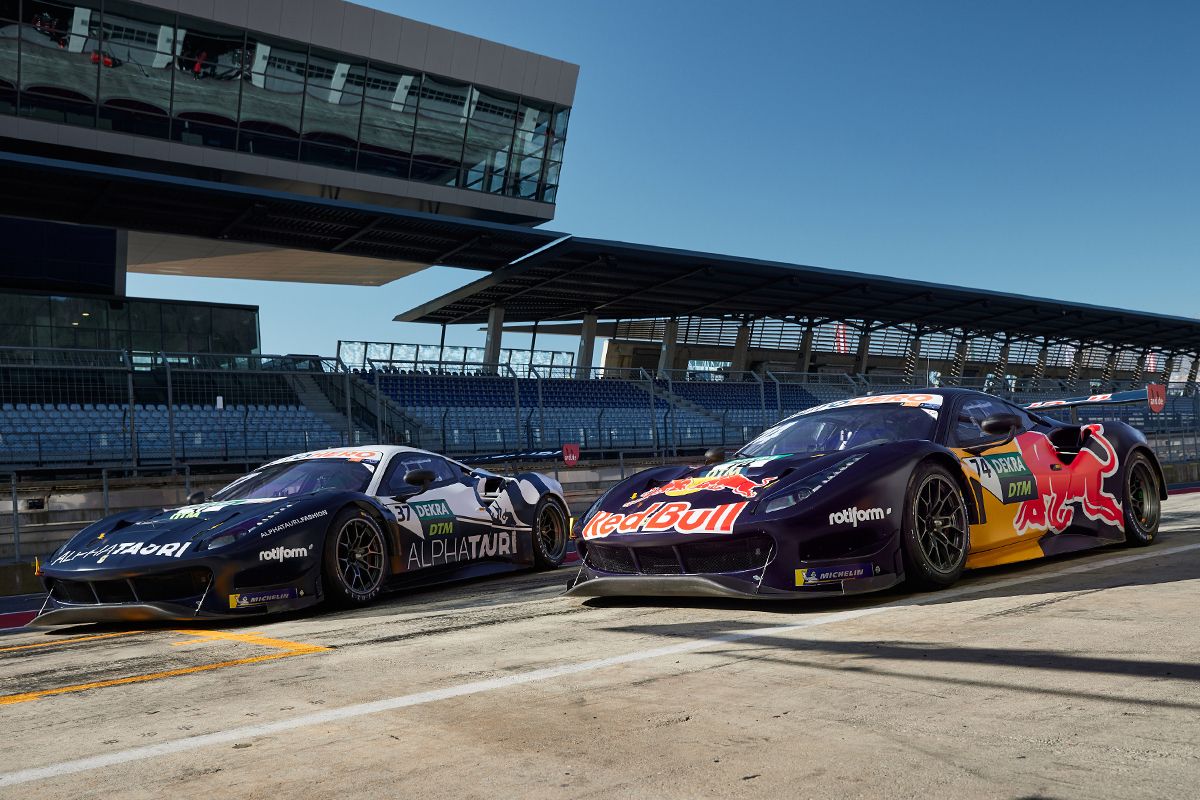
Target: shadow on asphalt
[
  {"x": 934, "y": 663},
  {"x": 482, "y": 591}
]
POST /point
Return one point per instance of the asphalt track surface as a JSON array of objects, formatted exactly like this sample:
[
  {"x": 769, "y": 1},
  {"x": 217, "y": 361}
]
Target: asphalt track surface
[{"x": 1077, "y": 677}]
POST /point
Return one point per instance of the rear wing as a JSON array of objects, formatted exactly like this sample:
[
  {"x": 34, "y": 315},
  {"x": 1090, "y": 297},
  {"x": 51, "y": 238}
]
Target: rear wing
[
  {"x": 499, "y": 458},
  {"x": 1154, "y": 396}
]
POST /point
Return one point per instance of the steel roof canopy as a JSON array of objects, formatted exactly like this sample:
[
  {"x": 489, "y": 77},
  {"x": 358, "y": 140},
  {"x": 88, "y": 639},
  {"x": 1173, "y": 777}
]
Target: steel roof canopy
[
  {"x": 619, "y": 280},
  {"x": 86, "y": 194}
]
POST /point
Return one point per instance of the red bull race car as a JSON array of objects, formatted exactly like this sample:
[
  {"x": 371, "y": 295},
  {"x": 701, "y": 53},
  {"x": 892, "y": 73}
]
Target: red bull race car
[{"x": 860, "y": 494}]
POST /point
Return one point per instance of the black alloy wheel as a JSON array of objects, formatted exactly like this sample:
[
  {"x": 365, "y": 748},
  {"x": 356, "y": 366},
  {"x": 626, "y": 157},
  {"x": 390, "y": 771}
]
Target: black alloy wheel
[
  {"x": 936, "y": 533},
  {"x": 355, "y": 564},
  {"x": 551, "y": 534},
  {"x": 1143, "y": 501}
]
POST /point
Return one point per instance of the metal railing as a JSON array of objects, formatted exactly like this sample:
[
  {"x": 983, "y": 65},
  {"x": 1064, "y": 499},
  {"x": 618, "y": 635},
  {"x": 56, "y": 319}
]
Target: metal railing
[
  {"x": 98, "y": 408},
  {"x": 132, "y": 408}
]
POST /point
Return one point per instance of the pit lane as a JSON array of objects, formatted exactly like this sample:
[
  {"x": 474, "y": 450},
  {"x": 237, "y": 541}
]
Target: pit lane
[{"x": 1075, "y": 677}]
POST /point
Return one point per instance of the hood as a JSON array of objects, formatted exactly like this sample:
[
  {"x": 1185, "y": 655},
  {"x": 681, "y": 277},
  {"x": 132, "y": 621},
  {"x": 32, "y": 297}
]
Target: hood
[
  {"x": 705, "y": 499},
  {"x": 730, "y": 481},
  {"x": 151, "y": 536}
]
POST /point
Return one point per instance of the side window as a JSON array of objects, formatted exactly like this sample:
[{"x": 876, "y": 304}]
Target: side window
[
  {"x": 394, "y": 483},
  {"x": 972, "y": 413},
  {"x": 1027, "y": 422}
]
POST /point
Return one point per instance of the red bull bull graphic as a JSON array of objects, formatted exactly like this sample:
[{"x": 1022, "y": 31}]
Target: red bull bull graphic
[
  {"x": 677, "y": 517},
  {"x": 1061, "y": 485},
  {"x": 736, "y": 483}
]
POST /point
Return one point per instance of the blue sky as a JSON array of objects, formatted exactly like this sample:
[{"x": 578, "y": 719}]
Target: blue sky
[{"x": 1045, "y": 147}]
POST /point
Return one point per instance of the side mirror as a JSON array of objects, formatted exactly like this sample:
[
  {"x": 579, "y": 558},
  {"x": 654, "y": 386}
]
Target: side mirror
[
  {"x": 714, "y": 455},
  {"x": 1005, "y": 425},
  {"x": 196, "y": 498},
  {"x": 999, "y": 424},
  {"x": 419, "y": 477}
]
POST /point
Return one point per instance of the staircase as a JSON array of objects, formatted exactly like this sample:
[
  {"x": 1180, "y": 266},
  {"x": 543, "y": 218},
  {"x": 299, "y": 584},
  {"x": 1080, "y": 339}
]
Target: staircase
[
  {"x": 679, "y": 403},
  {"x": 316, "y": 401},
  {"x": 398, "y": 425}
]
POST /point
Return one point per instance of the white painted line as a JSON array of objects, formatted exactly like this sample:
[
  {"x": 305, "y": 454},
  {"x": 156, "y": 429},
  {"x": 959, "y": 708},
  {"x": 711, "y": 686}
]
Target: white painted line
[{"x": 477, "y": 687}]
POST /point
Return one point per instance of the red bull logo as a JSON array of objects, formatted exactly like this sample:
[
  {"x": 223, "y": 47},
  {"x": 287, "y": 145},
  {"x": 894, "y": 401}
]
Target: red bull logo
[
  {"x": 666, "y": 518},
  {"x": 1061, "y": 485},
  {"x": 737, "y": 483}
]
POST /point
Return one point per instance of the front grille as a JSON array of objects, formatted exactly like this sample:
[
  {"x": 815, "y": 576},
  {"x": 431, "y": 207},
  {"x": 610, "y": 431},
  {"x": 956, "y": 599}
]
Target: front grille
[
  {"x": 72, "y": 592},
  {"x": 658, "y": 561},
  {"x": 735, "y": 555},
  {"x": 177, "y": 585},
  {"x": 114, "y": 591},
  {"x": 699, "y": 558},
  {"x": 610, "y": 559}
]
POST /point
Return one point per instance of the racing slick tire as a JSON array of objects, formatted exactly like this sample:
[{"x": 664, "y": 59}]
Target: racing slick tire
[
  {"x": 1143, "y": 507},
  {"x": 354, "y": 564},
  {"x": 935, "y": 535},
  {"x": 551, "y": 534}
]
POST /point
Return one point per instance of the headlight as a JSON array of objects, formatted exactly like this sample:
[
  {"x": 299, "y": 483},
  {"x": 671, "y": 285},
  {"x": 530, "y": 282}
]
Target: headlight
[
  {"x": 227, "y": 537},
  {"x": 788, "y": 500},
  {"x": 809, "y": 486}
]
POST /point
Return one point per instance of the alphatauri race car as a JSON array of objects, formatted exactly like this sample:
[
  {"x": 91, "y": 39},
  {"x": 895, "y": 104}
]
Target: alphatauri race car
[
  {"x": 860, "y": 494},
  {"x": 342, "y": 524}
]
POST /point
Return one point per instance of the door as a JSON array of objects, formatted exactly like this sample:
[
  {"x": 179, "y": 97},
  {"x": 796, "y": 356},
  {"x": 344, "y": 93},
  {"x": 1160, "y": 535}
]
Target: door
[
  {"x": 1002, "y": 479},
  {"x": 445, "y": 524}
]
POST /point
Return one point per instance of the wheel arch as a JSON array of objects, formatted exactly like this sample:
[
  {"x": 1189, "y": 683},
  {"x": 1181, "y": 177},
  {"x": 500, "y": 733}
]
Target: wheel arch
[
  {"x": 954, "y": 466},
  {"x": 561, "y": 502},
  {"x": 390, "y": 532},
  {"x": 1154, "y": 464}
]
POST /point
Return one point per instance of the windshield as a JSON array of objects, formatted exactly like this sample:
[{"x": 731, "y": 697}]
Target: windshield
[
  {"x": 300, "y": 477},
  {"x": 844, "y": 428}
]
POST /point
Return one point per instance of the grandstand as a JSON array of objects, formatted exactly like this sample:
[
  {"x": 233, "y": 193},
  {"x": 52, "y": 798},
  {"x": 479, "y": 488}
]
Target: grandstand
[{"x": 86, "y": 409}]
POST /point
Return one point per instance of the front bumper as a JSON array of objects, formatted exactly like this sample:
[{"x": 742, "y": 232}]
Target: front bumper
[
  {"x": 750, "y": 566},
  {"x": 65, "y": 614},
  {"x": 591, "y": 584},
  {"x": 211, "y": 588}
]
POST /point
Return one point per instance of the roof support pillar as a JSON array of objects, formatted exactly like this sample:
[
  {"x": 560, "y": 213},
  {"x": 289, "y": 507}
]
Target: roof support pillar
[
  {"x": 121, "y": 263},
  {"x": 1000, "y": 368},
  {"x": 1191, "y": 376},
  {"x": 1110, "y": 366},
  {"x": 1076, "y": 365},
  {"x": 741, "y": 349},
  {"x": 587, "y": 346},
  {"x": 491, "y": 345},
  {"x": 960, "y": 360},
  {"x": 1168, "y": 368},
  {"x": 532, "y": 350},
  {"x": 1039, "y": 366},
  {"x": 912, "y": 357},
  {"x": 666, "y": 356},
  {"x": 804, "y": 362},
  {"x": 1139, "y": 369},
  {"x": 864, "y": 349}
]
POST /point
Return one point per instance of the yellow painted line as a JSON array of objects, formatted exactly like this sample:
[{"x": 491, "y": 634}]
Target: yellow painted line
[
  {"x": 287, "y": 650},
  {"x": 253, "y": 638},
  {"x": 68, "y": 641}
]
